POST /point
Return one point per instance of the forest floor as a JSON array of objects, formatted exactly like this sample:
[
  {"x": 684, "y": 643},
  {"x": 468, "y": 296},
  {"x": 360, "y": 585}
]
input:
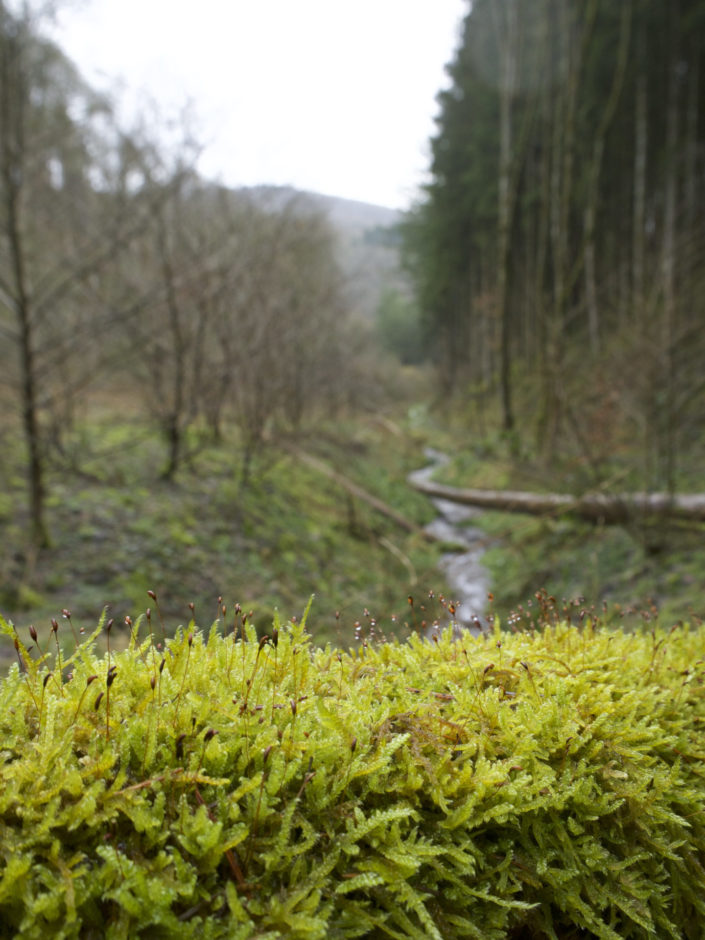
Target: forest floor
[
  {"x": 292, "y": 532},
  {"x": 637, "y": 571},
  {"x": 119, "y": 531}
]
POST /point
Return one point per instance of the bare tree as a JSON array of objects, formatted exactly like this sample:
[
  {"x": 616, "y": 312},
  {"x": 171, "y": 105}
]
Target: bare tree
[
  {"x": 48, "y": 247},
  {"x": 72, "y": 200},
  {"x": 282, "y": 318},
  {"x": 243, "y": 312}
]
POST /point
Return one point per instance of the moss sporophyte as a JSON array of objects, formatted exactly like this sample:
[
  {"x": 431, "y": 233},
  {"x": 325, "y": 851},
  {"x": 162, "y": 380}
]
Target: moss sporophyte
[{"x": 222, "y": 784}]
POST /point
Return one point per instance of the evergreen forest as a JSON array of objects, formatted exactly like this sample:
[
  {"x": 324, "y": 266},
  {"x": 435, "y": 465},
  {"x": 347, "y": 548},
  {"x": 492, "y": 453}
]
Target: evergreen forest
[{"x": 558, "y": 253}]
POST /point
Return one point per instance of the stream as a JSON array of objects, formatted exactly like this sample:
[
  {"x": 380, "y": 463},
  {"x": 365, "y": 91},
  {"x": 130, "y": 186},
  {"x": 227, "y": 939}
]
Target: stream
[{"x": 464, "y": 572}]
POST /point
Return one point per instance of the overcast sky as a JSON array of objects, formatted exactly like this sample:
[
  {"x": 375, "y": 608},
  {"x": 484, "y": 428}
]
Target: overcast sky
[{"x": 325, "y": 95}]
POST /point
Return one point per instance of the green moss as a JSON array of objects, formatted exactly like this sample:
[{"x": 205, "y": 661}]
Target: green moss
[{"x": 532, "y": 784}]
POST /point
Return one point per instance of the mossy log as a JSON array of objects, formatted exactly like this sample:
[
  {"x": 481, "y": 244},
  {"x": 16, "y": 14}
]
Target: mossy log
[{"x": 593, "y": 507}]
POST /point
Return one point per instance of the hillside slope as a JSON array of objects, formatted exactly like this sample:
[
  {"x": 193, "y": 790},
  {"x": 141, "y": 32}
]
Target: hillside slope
[{"x": 368, "y": 245}]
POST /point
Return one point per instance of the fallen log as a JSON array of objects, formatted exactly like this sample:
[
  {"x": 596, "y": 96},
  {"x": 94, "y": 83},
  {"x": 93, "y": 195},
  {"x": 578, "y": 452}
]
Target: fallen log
[
  {"x": 359, "y": 493},
  {"x": 593, "y": 507}
]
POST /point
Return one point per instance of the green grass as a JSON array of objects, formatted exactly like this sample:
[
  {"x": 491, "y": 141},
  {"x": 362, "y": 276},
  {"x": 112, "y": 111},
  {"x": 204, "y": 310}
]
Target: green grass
[{"x": 119, "y": 531}]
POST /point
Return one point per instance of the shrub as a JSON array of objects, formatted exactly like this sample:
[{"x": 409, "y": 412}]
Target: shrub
[{"x": 526, "y": 785}]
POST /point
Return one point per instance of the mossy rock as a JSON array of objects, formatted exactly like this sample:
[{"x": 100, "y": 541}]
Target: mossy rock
[{"x": 543, "y": 784}]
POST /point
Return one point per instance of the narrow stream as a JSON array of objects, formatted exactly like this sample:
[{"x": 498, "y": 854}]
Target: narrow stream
[{"x": 464, "y": 572}]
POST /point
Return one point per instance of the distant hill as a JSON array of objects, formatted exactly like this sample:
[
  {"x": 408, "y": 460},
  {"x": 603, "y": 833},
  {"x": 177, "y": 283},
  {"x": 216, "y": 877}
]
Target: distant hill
[
  {"x": 345, "y": 214},
  {"x": 368, "y": 242},
  {"x": 351, "y": 215}
]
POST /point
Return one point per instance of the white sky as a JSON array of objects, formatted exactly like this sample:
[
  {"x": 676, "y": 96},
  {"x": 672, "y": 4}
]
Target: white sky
[{"x": 330, "y": 96}]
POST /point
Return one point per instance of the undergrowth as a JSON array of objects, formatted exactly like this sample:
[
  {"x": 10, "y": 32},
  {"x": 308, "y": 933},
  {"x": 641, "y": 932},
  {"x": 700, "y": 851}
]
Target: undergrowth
[
  {"x": 118, "y": 529},
  {"x": 633, "y": 567},
  {"x": 545, "y": 783}
]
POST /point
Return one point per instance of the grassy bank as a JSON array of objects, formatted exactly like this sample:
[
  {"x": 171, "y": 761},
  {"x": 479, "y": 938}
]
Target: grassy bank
[
  {"x": 619, "y": 570},
  {"x": 119, "y": 531}
]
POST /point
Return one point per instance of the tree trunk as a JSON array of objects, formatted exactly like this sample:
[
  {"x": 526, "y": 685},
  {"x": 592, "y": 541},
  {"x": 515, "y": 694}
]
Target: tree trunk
[
  {"x": 667, "y": 418},
  {"x": 173, "y": 423},
  {"x": 353, "y": 490},
  {"x": 594, "y": 507},
  {"x": 640, "y": 151},
  {"x": 590, "y": 216},
  {"x": 507, "y": 42},
  {"x": 172, "y": 433},
  {"x": 13, "y": 100},
  {"x": 30, "y": 422}
]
